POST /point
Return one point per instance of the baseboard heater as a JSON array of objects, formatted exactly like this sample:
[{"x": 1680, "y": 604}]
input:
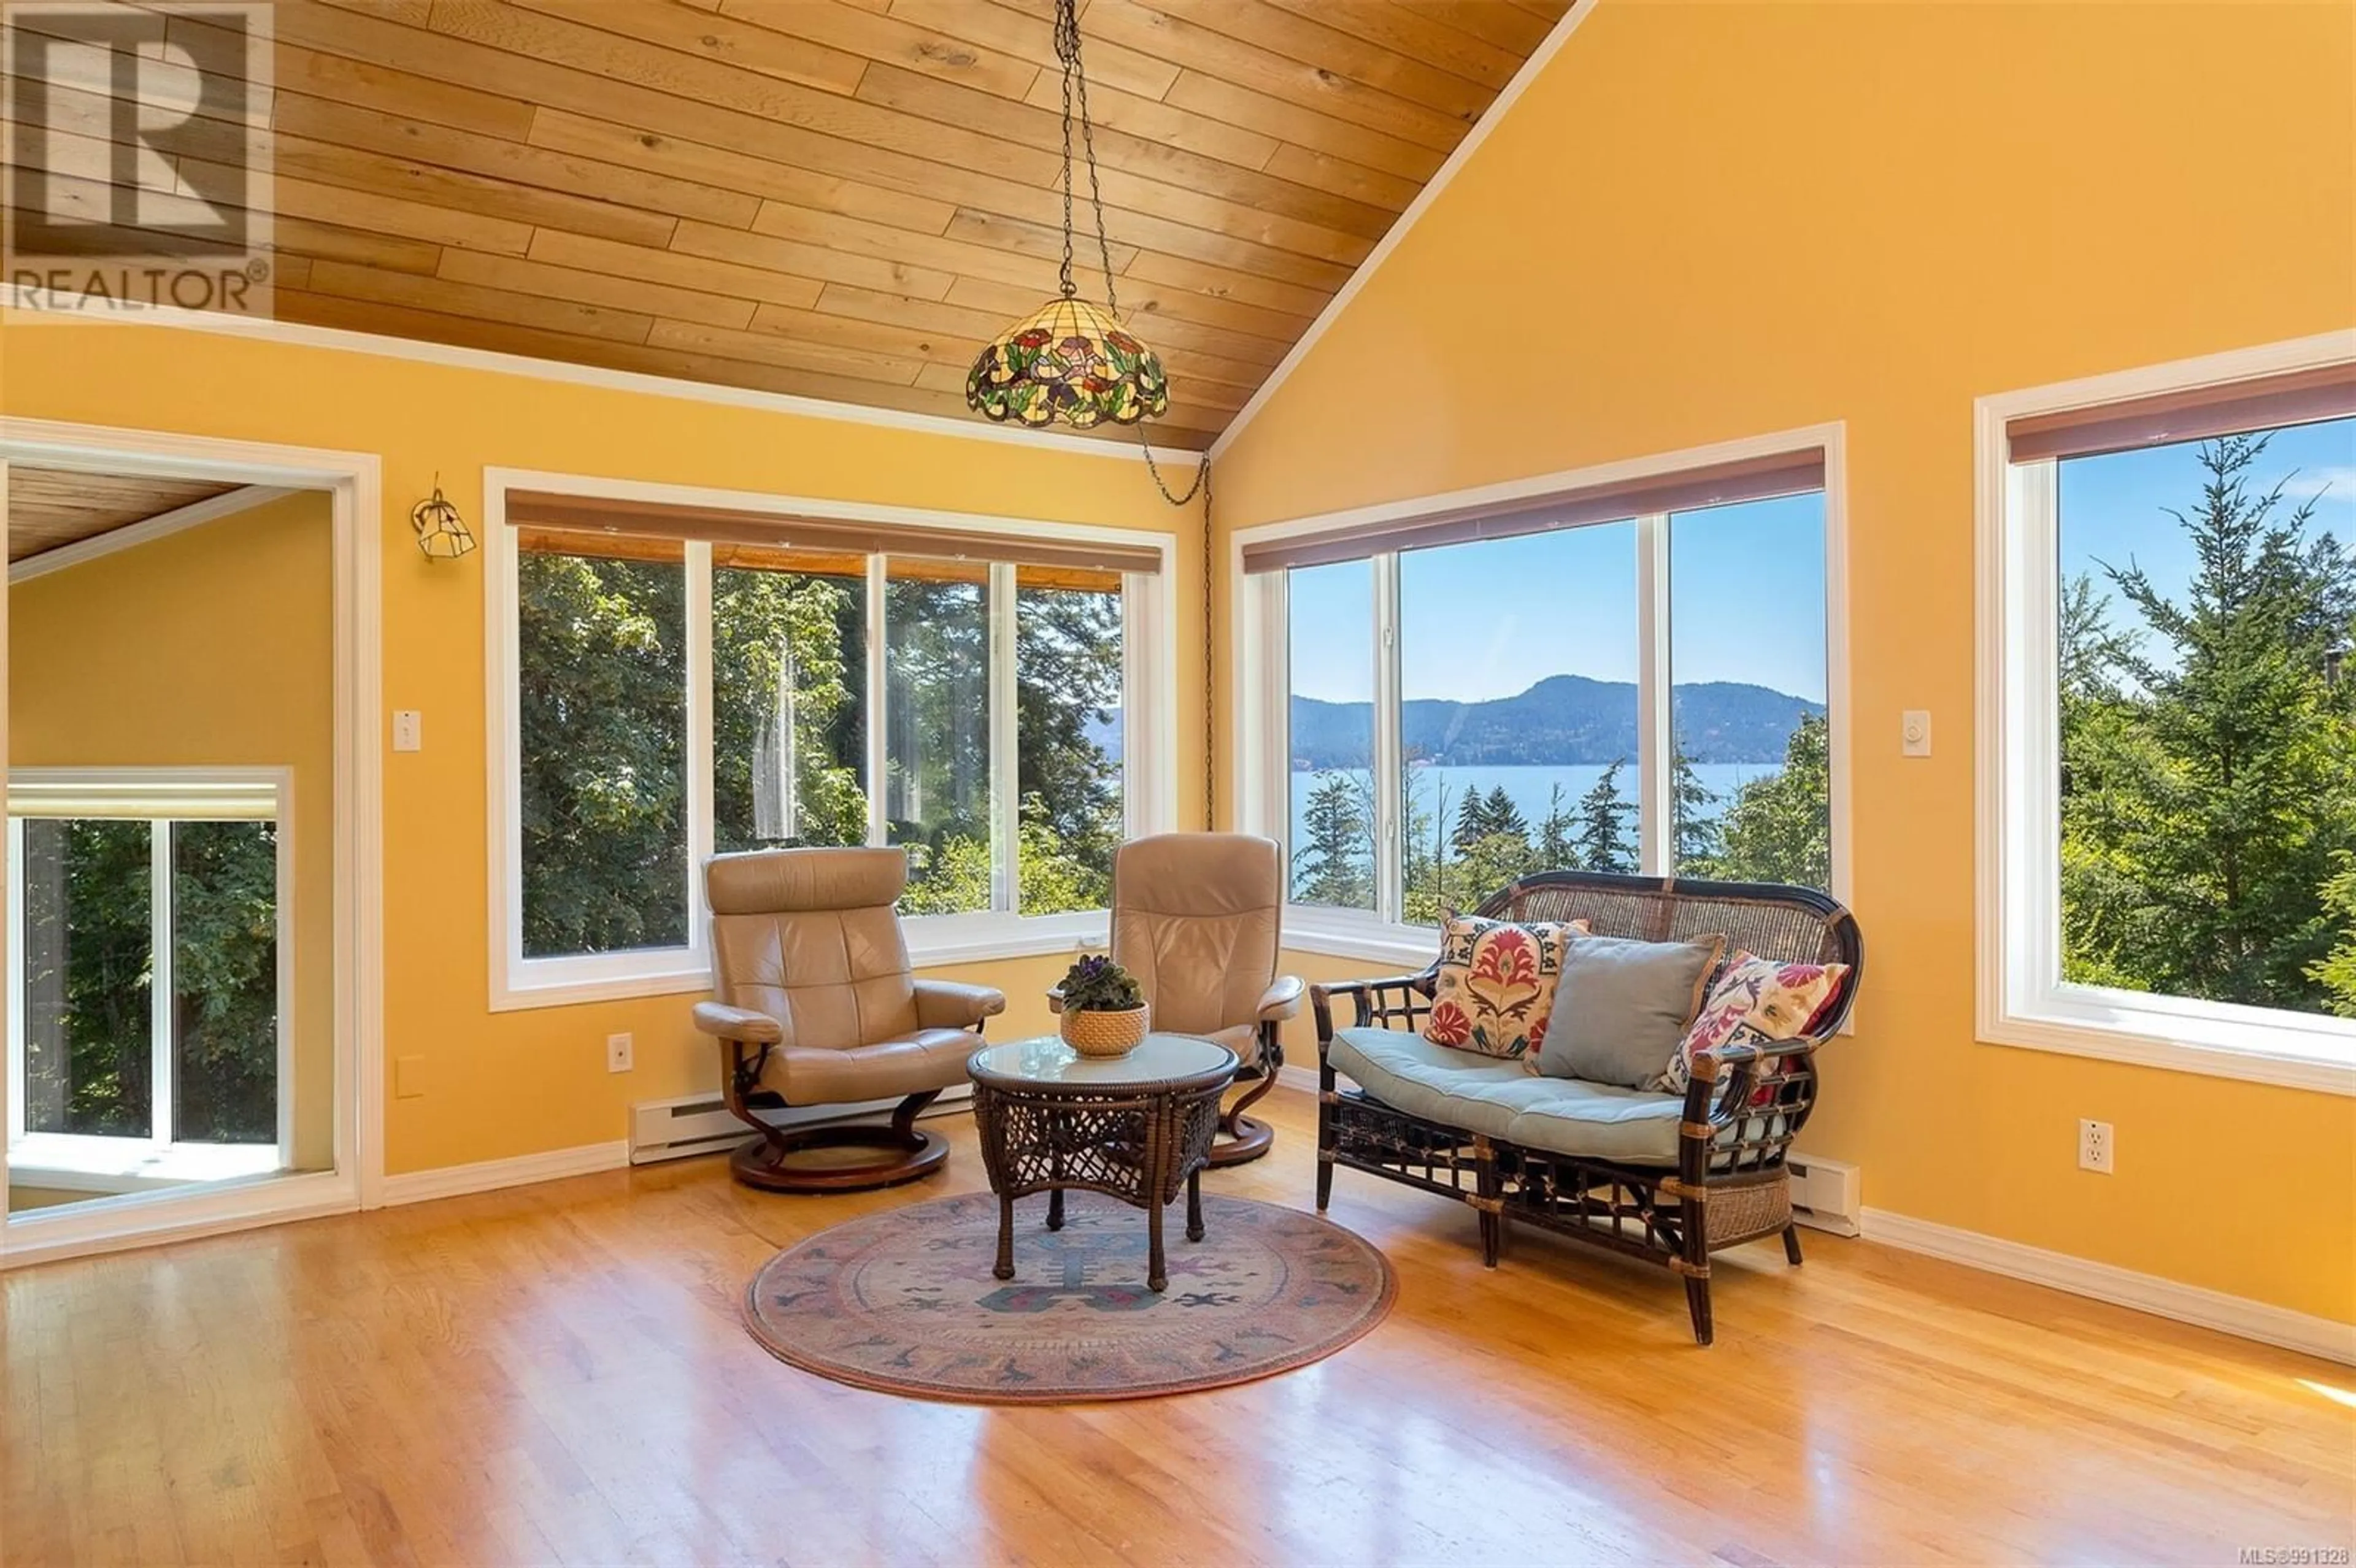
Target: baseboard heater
[
  {"x": 1826, "y": 1194},
  {"x": 700, "y": 1124}
]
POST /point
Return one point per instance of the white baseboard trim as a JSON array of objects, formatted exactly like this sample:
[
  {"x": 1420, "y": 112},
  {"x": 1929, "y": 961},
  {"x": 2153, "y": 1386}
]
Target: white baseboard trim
[
  {"x": 1292, "y": 1076},
  {"x": 2235, "y": 1315},
  {"x": 486, "y": 1175}
]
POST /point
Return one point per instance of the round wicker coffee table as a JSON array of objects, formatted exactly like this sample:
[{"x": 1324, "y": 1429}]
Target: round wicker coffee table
[{"x": 1135, "y": 1128}]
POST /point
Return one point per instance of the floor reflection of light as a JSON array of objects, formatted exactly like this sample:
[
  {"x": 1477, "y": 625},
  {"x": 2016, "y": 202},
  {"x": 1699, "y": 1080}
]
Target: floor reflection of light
[{"x": 2336, "y": 1395}]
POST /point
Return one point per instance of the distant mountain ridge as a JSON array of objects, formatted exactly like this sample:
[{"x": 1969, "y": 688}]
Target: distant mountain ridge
[{"x": 1563, "y": 720}]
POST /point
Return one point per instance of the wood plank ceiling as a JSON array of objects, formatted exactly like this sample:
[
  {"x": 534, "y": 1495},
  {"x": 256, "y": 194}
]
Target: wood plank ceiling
[
  {"x": 845, "y": 198},
  {"x": 49, "y": 508}
]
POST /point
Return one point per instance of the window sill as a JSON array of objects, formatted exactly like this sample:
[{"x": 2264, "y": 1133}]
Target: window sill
[
  {"x": 76, "y": 1163},
  {"x": 1405, "y": 949},
  {"x": 935, "y": 941},
  {"x": 2212, "y": 1040}
]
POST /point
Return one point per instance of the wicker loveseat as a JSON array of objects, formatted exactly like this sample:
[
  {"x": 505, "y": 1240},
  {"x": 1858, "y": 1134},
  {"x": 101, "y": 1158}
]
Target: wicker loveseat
[{"x": 1665, "y": 1177}]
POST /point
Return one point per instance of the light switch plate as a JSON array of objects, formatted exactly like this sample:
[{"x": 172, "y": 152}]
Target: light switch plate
[
  {"x": 620, "y": 1053},
  {"x": 1914, "y": 732},
  {"x": 408, "y": 730}
]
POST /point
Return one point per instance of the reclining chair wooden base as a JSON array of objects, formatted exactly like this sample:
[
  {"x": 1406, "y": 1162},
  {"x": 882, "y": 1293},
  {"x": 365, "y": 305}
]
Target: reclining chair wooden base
[
  {"x": 1240, "y": 1139},
  {"x": 903, "y": 1152}
]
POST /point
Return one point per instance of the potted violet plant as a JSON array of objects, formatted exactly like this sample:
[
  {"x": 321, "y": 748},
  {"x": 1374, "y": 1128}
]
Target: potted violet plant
[{"x": 1103, "y": 1012}]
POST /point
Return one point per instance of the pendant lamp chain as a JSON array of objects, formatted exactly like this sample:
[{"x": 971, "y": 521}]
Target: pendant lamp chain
[{"x": 1076, "y": 92}]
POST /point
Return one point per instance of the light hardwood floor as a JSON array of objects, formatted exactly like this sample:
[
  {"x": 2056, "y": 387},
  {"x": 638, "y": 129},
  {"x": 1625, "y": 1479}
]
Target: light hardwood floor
[{"x": 556, "y": 1373}]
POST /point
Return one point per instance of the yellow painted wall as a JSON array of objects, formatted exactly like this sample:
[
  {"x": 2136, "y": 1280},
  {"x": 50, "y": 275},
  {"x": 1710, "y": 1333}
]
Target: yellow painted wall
[
  {"x": 1705, "y": 222},
  {"x": 494, "y": 1085},
  {"x": 214, "y": 648}
]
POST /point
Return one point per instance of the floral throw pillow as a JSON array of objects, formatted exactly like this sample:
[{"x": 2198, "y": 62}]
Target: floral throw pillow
[
  {"x": 1496, "y": 984},
  {"x": 1754, "y": 1001}
]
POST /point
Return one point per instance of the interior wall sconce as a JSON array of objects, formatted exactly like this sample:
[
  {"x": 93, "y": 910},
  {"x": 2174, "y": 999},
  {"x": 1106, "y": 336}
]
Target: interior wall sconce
[{"x": 442, "y": 533}]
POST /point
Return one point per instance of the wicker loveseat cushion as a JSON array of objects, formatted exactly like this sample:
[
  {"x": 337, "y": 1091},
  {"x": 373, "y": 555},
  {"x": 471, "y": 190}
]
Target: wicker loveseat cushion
[{"x": 1565, "y": 1116}]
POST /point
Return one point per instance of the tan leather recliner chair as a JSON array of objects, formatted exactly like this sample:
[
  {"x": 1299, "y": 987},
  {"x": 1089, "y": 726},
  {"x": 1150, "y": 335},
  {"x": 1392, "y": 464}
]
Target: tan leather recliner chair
[
  {"x": 1197, "y": 918},
  {"x": 815, "y": 1006}
]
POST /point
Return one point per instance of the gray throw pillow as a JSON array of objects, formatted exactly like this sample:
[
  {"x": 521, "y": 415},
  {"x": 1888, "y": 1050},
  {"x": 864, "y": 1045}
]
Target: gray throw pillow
[{"x": 1622, "y": 1006}]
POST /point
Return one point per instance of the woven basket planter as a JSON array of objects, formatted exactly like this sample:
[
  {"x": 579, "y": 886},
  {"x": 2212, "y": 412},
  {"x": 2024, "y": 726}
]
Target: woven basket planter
[{"x": 1093, "y": 1033}]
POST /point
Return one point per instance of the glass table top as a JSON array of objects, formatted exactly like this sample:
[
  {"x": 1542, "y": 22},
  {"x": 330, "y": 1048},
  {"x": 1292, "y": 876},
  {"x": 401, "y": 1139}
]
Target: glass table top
[{"x": 1158, "y": 1057}]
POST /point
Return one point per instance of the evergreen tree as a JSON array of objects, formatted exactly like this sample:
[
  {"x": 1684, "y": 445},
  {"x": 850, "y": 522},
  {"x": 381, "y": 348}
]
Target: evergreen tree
[
  {"x": 1604, "y": 820},
  {"x": 2209, "y": 802},
  {"x": 1334, "y": 865},
  {"x": 1472, "y": 821},
  {"x": 2337, "y": 973},
  {"x": 1502, "y": 816},
  {"x": 1554, "y": 848},
  {"x": 1697, "y": 838},
  {"x": 1068, "y": 676}
]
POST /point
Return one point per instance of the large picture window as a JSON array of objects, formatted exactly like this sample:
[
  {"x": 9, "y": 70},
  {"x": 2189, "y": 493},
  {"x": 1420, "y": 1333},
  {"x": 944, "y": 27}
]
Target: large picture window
[
  {"x": 685, "y": 679},
  {"x": 1624, "y": 677},
  {"x": 146, "y": 981},
  {"x": 2174, "y": 771}
]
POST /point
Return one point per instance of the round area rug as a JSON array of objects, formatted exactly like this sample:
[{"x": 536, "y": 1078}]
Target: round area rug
[{"x": 904, "y": 1301}]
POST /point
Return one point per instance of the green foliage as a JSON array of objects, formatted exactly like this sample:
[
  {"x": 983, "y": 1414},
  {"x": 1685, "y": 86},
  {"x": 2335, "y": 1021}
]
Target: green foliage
[
  {"x": 2208, "y": 785},
  {"x": 1067, "y": 668},
  {"x": 1098, "y": 985},
  {"x": 1334, "y": 862},
  {"x": 2336, "y": 973},
  {"x": 1779, "y": 828},
  {"x": 784, "y": 650},
  {"x": 937, "y": 793},
  {"x": 89, "y": 974},
  {"x": 1699, "y": 838},
  {"x": 1554, "y": 845},
  {"x": 603, "y": 716},
  {"x": 1605, "y": 825},
  {"x": 90, "y": 970},
  {"x": 947, "y": 875},
  {"x": 225, "y": 981}
]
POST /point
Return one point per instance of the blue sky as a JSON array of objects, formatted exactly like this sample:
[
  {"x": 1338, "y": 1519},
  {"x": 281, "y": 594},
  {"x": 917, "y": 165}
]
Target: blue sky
[
  {"x": 2113, "y": 507},
  {"x": 1477, "y": 621}
]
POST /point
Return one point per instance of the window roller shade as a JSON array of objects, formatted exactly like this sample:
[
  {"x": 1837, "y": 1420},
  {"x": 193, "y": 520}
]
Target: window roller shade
[
  {"x": 2264, "y": 402},
  {"x": 1721, "y": 484},
  {"x": 534, "y": 510},
  {"x": 133, "y": 798}
]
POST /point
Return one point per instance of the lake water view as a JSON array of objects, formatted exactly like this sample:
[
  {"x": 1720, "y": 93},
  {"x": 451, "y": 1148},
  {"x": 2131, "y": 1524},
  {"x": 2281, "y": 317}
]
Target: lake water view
[{"x": 1530, "y": 788}]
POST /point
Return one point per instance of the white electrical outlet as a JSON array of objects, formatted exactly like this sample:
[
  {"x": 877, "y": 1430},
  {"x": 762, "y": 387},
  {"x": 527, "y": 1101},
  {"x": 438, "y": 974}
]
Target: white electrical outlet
[
  {"x": 408, "y": 730},
  {"x": 619, "y": 1053},
  {"x": 2096, "y": 1148}
]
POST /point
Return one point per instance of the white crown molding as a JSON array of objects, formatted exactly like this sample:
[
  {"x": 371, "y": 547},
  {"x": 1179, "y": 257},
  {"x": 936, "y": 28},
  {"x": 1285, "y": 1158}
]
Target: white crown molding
[
  {"x": 489, "y": 1174},
  {"x": 163, "y": 525},
  {"x": 1490, "y": 117},
  {"x": 342, "y": 340},
  {"x": 2193, "y": 1304}
]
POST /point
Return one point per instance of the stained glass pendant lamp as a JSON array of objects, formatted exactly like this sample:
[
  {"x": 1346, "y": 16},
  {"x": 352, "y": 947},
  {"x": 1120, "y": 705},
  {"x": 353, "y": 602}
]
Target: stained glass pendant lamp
[{"x": 1071, "y": 359}]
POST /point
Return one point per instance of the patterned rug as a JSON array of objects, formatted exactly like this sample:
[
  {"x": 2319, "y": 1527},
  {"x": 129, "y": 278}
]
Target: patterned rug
[{"x": 904, "y": 1301}]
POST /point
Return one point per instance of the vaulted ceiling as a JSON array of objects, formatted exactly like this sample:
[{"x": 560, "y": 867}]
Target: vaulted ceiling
[
  {"x": 845, "y": 198},
  {"x": 49, "y": 508}
]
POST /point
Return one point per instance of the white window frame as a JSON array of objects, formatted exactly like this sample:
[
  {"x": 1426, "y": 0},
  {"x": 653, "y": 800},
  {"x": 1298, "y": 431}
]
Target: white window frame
[
  {"x": 1149, "y": 740},
  {"x": 2023, "y": 1000},
  {"x": 1258, "y": 733},
  {"x": 98, "y": 1163}
]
